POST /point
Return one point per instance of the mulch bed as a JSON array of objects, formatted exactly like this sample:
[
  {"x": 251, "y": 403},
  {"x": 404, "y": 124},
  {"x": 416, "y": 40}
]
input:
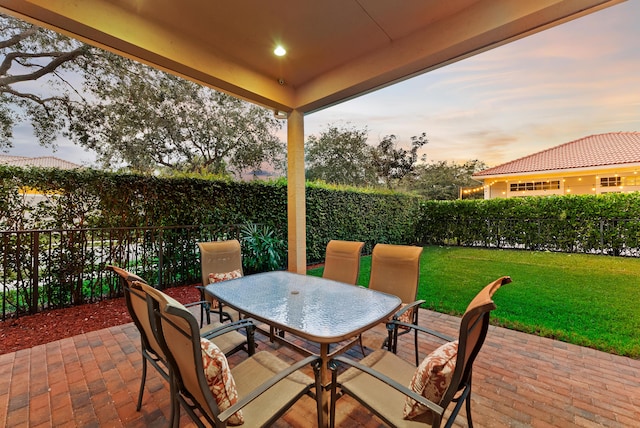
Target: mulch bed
[{"x": 44, "y": 327}]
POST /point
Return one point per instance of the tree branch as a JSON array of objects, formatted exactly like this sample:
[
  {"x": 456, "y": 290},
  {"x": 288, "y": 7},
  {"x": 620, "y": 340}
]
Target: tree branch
[
  {"x": 18, "y": 37},
  {"x": 34, "y": 98},
  {"x": 59, "y": 58}
]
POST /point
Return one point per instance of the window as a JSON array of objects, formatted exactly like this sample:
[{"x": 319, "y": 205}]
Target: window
[
  {"x": 632, "y": 181},
  {"x": 610, "y": 182},
  {"x": 535, "y": 186}
]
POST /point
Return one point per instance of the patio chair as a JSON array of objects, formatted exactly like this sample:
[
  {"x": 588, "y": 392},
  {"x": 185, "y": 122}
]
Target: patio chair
[
  {"x": 219, "y": 261},
  {"x": 136, "y": 301},
  {"x": 256, "y": 392},
  {"x": 395, "y": 269},
  {"x": 403, "y": 396},
  {"x": 342, "y": 261}
]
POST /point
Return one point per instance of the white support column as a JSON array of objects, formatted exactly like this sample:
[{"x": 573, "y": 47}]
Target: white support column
[{"x": 296, "y": 206}]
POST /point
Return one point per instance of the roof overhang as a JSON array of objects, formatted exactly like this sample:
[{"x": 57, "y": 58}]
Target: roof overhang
[
  {"x": 337, "y": 49},
  {"x": 569, "y": 172}
]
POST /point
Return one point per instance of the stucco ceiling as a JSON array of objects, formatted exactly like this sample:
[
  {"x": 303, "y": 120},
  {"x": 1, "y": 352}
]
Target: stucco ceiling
[{"x": 336, "y": 49}]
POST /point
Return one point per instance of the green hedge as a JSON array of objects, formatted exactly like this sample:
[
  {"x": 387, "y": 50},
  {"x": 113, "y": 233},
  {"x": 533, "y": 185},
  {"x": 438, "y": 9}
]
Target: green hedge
[
  {"x": 94, "y": 199},
  {"x": 358, "y": 215},
  {"x": 607, "y": 224},
  {"x": 80, "y": 206},
  {"x": 89, "y": 198}
]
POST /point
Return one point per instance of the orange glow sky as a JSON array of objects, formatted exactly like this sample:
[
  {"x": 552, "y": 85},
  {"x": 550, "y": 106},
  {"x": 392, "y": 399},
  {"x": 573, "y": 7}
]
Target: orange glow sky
[{"x": 565, "y": 83}]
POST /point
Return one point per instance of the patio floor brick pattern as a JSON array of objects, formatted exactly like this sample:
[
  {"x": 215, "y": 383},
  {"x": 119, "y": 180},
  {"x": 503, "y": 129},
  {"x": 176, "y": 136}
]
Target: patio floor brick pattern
[{"x": 520, "y": 380}]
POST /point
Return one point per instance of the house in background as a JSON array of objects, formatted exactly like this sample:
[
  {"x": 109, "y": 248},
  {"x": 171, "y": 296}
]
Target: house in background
[
  {"x": 31, "y": 195},
  {"x": 593, "y": 165},
  {"x": 39, "y": 162}
]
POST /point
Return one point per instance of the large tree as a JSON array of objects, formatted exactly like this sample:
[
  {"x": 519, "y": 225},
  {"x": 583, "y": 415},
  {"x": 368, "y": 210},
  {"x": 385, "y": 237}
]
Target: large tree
[
  {"x": 443, "y": 180},
  {"x": 340, "y": 155},
  {"x": 392, "y": 163},
  {"x": 147, "y": 118},
  {"x": 35, "y": 65},
  {"x": 130, "y": 114}
]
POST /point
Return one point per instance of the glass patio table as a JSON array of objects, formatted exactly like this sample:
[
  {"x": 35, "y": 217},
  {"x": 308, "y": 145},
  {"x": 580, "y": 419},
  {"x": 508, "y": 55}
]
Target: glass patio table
[{"x": 315, "y": 309}]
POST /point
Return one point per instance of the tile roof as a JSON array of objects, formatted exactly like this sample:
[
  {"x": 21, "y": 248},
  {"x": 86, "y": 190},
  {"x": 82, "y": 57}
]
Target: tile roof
[
  {"x": 613, "y": 148},
  {"x": 40, "y": 162}
]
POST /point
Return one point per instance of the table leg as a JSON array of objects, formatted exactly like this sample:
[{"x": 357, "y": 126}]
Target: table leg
[{"x": 325, "y": 376}]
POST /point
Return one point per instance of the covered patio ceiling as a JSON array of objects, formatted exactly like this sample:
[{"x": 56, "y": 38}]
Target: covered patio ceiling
[{"x": 336, "y": 49}]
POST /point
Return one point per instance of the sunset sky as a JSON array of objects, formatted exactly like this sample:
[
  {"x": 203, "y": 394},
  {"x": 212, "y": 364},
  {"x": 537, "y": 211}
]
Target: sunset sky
[{"x": 565, "y": 83}]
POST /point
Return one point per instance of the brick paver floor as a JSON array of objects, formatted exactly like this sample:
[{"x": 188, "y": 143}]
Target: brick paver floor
[{"x": 520, "y": 380}]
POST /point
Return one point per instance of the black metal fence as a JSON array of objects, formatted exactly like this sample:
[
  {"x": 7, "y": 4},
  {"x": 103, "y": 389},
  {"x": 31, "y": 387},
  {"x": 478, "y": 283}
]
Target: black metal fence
[{"x": 45, "y": 269}]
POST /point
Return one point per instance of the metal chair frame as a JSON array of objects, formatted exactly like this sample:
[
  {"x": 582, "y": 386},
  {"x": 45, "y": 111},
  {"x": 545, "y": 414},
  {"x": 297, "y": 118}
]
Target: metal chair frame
[
  {"x": 472, "y": 334},
  {"x": 150, "y": 353},
  {"x": 381, "y": 261},
  {"x": 181, "y": 396}
]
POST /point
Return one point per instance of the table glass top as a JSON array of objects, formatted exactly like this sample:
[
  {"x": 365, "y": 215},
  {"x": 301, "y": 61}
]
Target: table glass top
[{"x": 315, "y": 307}]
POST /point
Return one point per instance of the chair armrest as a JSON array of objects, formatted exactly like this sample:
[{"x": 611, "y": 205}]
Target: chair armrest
[
  {"x": 226, "y": 328},
  {"x": 199, "y": 303},
  {"x": 202, "y": 290},
  {"x": 265, "y": 386},
  {"x": 391, "y": 325},
  {"x": 407, "y": 308},
  {"x": 387, "y": 380},
  {"x": 223, "y": 315}
]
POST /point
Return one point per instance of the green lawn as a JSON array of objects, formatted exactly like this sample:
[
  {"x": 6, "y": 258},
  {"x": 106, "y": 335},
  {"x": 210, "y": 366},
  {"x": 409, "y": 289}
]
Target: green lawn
[{"x": 587, "y": 300}]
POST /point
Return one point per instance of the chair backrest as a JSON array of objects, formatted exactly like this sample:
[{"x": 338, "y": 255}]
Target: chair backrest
[
  {"x": 473, "y": 332},
  {"x": 395, "y": 269},
  {"x": 177, "y": 331},
  {"x": 136, "y": 301},
  {"x": 342, "y": 261},
  {"x": 219, "y": 257}
]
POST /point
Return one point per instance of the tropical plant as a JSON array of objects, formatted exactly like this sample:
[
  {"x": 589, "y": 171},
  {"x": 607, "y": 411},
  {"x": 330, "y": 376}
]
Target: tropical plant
[{"x": 262, "y": 249}]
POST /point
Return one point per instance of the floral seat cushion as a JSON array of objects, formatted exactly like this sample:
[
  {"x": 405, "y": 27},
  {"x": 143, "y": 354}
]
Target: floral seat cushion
[
  {"x": 220, "y": 379},
  {"x": 432, "y": 378},
  {"x": 215, "y": 277},
  {"x": 406, "y": 317}
]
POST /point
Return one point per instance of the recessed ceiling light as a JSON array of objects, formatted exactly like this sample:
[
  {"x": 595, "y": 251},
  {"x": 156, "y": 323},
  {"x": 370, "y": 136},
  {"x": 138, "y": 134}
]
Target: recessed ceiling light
[{"x": 280, "y": 51}]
